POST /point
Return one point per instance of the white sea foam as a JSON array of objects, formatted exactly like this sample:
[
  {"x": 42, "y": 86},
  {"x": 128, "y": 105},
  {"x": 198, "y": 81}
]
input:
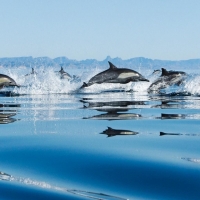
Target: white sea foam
[
  {"x": 48, "y": 82},
  {"x": 192, "y": 84}
]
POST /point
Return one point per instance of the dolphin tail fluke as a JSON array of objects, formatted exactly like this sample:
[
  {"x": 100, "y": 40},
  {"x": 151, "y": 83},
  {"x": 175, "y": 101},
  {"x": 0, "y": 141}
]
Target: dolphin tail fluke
[{"x": 84, "y": 85}]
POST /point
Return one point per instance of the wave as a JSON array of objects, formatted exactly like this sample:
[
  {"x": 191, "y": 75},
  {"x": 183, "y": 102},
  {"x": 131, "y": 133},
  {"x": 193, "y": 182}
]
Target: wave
[{"x": 45, "y": 185}]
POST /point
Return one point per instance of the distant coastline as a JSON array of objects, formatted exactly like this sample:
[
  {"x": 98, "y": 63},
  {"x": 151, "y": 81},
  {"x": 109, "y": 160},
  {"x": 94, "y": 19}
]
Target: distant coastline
[{"x": 66, "y": 62}]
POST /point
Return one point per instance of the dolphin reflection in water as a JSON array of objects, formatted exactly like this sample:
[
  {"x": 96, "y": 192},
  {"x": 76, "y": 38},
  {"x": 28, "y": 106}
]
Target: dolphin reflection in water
[
  {"x": 118, "y": 104},
  {"x": 6, "y": 114},
  {"x": 115, "y": 115},
  {"x": 6, "y": 118},
  {"x": 115, "y": 75},
  {"x": 172, "y": 116},
  {"x": 169, "y": 104},
  {"x": 114, "y": 110},
  {"x": 113, "y": 132}
]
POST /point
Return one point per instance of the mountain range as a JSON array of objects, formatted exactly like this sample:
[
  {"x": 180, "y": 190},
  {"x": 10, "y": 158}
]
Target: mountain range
[{"x": 129, "y": 63}]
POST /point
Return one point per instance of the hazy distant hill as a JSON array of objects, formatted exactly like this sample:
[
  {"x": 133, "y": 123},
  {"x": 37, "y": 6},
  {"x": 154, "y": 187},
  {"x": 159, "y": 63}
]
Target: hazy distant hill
[{"x": 138, "y": 62}]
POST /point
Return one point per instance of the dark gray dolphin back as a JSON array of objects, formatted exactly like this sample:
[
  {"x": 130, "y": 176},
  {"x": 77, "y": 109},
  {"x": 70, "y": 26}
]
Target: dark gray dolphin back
[
  {"x": 105, "y": 76},
  {"x": 168, "y": 73},
  {"x": 164, "y": 72}
]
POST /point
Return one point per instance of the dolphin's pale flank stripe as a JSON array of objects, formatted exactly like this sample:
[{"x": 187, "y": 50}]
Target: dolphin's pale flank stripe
[
  {"x": 127, "y": 133},
  {"x": 4, "y": 80},
  {"x": 127, "y": 75},
  {"x": 115, "y": 75}
]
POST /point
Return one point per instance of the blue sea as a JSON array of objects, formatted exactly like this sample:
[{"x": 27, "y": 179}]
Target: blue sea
[{"x": 108, "y": 141}]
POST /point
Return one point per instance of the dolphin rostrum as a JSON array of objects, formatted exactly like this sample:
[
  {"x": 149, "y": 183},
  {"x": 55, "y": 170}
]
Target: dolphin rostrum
[
  {"x": 6, "y": 81},
  {"x": 115, "y": 75},
  {"x": 166, "y": 79}
]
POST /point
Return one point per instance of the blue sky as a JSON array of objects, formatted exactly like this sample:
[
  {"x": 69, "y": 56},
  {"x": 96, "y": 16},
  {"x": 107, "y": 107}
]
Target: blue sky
[{"x": 83, "y": 29}]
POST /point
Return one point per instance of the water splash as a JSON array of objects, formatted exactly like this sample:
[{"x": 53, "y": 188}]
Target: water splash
[{"x": 48, "y": 82}]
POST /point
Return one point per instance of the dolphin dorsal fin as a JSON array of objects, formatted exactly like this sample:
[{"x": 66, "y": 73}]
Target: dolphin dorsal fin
[
  {"x": 164, "y": 72},
  {"x": 109, "y": 128},
  {"x": 112, "y": 66}
]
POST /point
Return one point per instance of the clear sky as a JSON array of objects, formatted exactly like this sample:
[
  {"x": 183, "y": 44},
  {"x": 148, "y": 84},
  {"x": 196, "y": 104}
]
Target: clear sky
[{"x": 94, "y": 29}]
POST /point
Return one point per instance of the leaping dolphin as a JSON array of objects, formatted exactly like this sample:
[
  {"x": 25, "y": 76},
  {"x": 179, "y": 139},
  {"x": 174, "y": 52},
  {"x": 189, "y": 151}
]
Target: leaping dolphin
[
  {"x": 166, "y": 79},
  {"x": 32, "y": 72},
  {"x": 6, "y": 81},
  {"x": 115, "y": 75},
  {"x": 64, "y": 74}
]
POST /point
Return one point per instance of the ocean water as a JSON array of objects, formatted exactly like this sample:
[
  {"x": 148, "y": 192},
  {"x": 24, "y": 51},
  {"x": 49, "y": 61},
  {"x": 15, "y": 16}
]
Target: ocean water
[{"x": 109, "y": 141}]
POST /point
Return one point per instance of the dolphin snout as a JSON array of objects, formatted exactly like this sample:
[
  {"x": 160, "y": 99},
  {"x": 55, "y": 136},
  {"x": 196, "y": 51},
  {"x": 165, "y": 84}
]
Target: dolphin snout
[
  {"x": 144, "y": 79},
  {"x": 12, "y": 83}
]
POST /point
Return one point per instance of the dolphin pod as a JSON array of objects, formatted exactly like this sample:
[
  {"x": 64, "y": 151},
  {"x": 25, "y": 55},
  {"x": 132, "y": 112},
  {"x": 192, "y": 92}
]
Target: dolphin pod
[{"x": 115, "y": 75}]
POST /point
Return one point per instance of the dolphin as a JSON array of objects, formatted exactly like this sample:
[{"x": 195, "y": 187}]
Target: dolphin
[
  {"x": 115, "y": 75},
  {"x": 163, "y": 133},
  {"x": 113, "y": 132},
  {"x": 63, "y": 74},
  {"x": 166, "y": 79},
  {"x": 6, "y": 81},
  {"x": 32, "y": 72}
]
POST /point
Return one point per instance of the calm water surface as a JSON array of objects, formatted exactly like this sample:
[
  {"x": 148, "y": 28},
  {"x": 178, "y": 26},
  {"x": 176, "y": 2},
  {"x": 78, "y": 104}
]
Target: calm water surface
[
  {"x": 59, "y": 144},
  {"x": 107, "y": 145}
]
